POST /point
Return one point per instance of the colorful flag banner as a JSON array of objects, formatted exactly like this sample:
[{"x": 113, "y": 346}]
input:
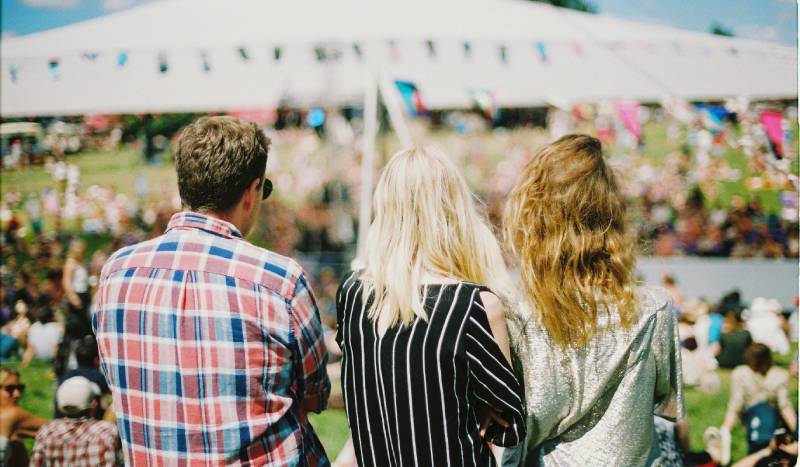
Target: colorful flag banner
[
  {"x": 244, "y": 54},
  {"x": 713, "y": 116},
  {"x": 394, "y": 53},
  {"x": 122, "y": 59},
  {"x": 503, "y": 55},
  {"x": 542, "y": 49},
  {"x": 411, "y": 97},
  {"x": 628, "y": 112},
  {"x": 358, "y": 51},
  {"x": 467, "y": 50},
  {"x": 276, "y": 54},
  {"x": 772, "y": 122},
  {"x": 205, "y": 63},
  {"x": 484, "y": 101},
  {"x": 163, "y": 65},
  {"x": 54, "y": 65},
  {"x": 13, "y": 71},
  {"x": 431, "y": 49}
]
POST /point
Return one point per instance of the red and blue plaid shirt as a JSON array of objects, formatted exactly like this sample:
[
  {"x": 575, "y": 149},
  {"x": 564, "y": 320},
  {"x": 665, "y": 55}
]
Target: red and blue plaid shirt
[{"x": 213, "y": 350}]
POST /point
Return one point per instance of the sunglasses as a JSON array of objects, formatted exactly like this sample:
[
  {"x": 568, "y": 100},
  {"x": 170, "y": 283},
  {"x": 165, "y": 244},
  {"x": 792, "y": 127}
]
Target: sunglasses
[
  {"x": 10, "y": 388},
  {"x": 267, "y": 188},
  {"x": 267, "y": 182}
]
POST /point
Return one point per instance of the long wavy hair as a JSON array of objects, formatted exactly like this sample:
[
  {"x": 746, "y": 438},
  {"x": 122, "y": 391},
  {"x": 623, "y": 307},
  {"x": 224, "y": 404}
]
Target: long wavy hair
[
  {"x": 565, "y": 222},
  {"x": 425, "y": 221}
]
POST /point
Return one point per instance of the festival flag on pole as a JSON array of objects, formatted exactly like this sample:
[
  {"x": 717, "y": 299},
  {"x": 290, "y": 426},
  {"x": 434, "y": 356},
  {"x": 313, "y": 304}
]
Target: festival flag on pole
[
  {"x": 411, "y": 97},
  {"x": 713, "y": 116},
  {"x": 628, "y": 112},
  {"x": 484, "y": 101},
  {"x": 122, "y": 59},
  {"x": 772, "y": 121}
]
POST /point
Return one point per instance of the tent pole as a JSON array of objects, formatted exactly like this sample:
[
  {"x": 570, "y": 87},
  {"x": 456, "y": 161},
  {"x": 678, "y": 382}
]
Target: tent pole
[
  {"x": 390, "y": 98},
  {"x": 367, "y": 167}
]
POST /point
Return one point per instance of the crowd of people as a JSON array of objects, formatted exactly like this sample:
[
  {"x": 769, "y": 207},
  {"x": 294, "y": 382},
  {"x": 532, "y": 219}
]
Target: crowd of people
[{"x": 56, "y": 242}]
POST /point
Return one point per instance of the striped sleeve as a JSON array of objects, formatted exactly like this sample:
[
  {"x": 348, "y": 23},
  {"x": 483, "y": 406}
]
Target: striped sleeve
[
  {"x": 492, "y": 380},
  {"x": 312, "y": 356}
]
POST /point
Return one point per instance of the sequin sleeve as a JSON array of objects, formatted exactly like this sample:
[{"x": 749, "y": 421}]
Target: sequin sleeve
[{"x": 669, "y": 377}]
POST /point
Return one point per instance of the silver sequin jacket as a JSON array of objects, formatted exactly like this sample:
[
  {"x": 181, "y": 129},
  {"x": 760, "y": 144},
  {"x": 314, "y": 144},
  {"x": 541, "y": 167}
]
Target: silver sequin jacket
[{"x": 594, "y": 406}]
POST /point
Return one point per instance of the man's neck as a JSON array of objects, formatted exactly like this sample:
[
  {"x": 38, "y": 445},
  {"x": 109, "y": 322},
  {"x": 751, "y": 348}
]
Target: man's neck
[{"x": 232, "y": 216}]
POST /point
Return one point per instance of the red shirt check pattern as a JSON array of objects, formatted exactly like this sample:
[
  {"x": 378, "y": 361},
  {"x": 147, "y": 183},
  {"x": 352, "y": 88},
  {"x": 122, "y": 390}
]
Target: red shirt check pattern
[
  {"x": 83, "y": 441},
  {"x": 213, "y": 350}
]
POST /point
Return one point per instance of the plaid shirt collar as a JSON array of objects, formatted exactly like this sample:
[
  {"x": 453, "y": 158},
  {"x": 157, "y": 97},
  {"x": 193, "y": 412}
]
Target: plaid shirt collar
[{"x": 194, "y": 220}]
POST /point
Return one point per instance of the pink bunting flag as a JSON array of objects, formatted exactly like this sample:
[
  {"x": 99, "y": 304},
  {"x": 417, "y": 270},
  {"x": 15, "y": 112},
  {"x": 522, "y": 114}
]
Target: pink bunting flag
[
  {"x": 772, "y": 122},
  {"x": 628, "y": 112}
]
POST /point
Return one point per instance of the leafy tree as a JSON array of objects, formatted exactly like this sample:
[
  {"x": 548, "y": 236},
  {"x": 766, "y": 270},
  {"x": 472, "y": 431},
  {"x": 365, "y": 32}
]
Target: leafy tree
[
  {"x": 720, "y": 30},
  {"x": 580, "y": 5}
]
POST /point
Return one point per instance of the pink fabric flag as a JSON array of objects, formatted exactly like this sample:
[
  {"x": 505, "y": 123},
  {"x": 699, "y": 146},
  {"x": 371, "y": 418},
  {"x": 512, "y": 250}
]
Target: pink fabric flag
[
  {"x": 772, "y": 123},
  {"x": 628, "y": 112}
]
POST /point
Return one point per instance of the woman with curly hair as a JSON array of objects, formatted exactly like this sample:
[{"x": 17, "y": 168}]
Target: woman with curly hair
[{"x": 600, "y": 356}]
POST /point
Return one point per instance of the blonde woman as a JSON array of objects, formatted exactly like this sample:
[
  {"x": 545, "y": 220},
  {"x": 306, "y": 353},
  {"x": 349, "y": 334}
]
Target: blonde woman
[
  {"x": 600, "y": 355},
  {"x": 425, "y": 369},
  {"x": 75, "y": 280}
]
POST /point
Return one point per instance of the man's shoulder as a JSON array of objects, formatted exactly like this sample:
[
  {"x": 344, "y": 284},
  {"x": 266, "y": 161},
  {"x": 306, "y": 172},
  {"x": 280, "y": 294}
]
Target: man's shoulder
[{"x": 231, "y": 257}]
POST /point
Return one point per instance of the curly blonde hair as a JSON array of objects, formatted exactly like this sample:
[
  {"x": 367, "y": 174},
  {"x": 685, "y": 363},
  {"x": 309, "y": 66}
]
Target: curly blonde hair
[{"x": 565, "y": 222}]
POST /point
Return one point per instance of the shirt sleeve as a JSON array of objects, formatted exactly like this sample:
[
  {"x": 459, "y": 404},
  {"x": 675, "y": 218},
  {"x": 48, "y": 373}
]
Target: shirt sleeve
[
  {"x": 669, "y": 375},
  {"x": 492, "y": 380},
  {"x": 341, "y": 297},
  {"x": 738, "y": 383},
  {"x": 312, "y": 356}
]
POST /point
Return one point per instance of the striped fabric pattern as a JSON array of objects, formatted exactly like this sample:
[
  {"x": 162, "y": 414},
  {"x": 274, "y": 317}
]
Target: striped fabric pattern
[
  {"x": 414, "y": 395},
  {"x": 212, "y": 348}
]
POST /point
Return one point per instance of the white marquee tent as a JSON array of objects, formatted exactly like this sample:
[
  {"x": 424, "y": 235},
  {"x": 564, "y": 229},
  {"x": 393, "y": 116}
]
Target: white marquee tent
[{"x": 210, "y": 55}]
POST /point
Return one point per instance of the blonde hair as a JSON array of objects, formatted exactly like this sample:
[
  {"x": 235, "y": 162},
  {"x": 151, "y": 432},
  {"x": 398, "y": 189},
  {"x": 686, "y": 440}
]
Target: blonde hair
[
  {"x": 565, "y": 221},
  {"x": 425, "y": 221},
  {"x": 6, "y": 371},
  {"x": 77, "y": 250}
]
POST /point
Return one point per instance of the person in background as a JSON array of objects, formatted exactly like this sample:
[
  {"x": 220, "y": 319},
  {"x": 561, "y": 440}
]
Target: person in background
[
  {"x": 733, "y": 342},
  {"x": 671, "y": 286},
  {"x": 43, "y": 337},
  {"x": 765, "y": 324},
  {"x": 14, "y": 334},
  {"x": 75, "y": 280},
  {"x": 77, "y": 438},
  {"x": 760, "y": 398},
  {"x": 233, "y": 331},
  {"x": 88, "y": 366},
  {"x": 600, "y": 356},
  {"x": 16, "y": 423}
]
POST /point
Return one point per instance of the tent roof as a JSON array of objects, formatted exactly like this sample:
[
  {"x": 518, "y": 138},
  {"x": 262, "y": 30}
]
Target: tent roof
[{"x": 588, "y": 57}]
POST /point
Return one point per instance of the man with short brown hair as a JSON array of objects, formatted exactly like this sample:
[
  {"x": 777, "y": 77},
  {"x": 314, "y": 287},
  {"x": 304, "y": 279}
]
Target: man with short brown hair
[{"x": 213, "y": 347}]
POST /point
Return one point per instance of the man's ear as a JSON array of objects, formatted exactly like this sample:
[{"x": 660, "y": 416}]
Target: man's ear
[{"x": 251, "y": 193}]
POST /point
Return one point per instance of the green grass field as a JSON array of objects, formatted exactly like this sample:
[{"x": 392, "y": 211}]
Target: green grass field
[{"x": 704, "y": 410}]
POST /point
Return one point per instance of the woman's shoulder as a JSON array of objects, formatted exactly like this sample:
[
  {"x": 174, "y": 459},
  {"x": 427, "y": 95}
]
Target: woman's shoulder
[{"x": 654, "y": 299}]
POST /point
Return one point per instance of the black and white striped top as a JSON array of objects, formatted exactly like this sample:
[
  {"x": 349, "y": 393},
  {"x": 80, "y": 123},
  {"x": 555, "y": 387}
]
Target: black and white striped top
[{"x": 414, "y": 395}]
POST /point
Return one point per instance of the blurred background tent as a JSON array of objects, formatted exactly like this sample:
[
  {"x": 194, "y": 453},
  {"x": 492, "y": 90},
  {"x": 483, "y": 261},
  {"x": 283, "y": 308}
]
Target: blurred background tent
[{"x": 210, "y": 55}]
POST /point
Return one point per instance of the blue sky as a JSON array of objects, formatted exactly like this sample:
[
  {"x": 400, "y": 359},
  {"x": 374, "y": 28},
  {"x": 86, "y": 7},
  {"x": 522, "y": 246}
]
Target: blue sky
[{"x": 773, "y": 20}]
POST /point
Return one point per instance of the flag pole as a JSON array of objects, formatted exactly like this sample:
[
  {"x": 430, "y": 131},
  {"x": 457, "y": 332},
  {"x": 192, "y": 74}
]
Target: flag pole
[{"x": 367, "y": 166}]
